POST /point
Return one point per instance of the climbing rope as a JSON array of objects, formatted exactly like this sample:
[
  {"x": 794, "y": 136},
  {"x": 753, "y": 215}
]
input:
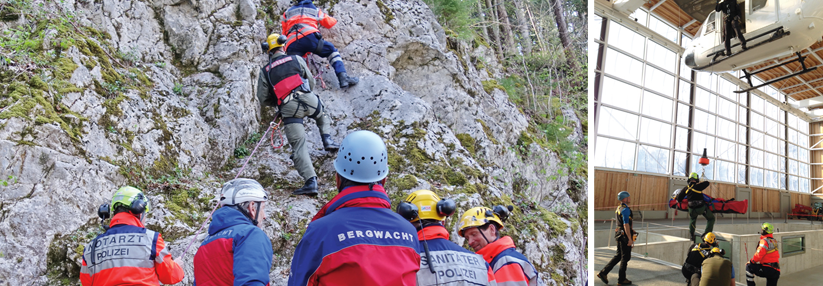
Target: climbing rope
[
  {"x": 317, "y": 67},
  {"x": 272, "y": 125},
  {"x": 277, "y": 129}
]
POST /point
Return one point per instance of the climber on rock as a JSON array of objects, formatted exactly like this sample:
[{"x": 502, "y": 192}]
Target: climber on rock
[
  {"x": 237, "y": 251},
  {"x": 128, "y": 253},
  {"x": 355, "y": 238},
  {"x": 426, "y": 212},
  {"x": 481, "y": 227},
  {"x": 299, "y": 24},
  {"x": 286, "y": 83}
]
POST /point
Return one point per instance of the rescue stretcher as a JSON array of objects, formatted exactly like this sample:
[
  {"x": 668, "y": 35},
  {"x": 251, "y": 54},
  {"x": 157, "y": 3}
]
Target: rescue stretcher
[{"x": 716, "y": 205}]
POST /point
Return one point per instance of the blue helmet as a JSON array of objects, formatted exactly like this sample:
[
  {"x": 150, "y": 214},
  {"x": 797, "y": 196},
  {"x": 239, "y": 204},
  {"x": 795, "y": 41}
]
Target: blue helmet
[
  {"x": 362, "y": 158},
  {"x": 622, "y": 195}
]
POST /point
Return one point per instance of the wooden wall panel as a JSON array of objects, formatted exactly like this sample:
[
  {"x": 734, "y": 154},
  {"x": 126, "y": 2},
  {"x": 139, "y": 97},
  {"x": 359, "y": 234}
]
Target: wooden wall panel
[
  {"x": 648, "y": 192},
  {"x": 803, "y": 199}
]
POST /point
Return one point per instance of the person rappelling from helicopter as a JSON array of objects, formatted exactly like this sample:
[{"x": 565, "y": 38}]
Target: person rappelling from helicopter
[
  {"x": 697, "y": 203},
  {"x": 731, "y": 24}
]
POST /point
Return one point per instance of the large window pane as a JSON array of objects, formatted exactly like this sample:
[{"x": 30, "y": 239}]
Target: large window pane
[
  {"x": 741, "y": 154},
  {"x": 803, "y": 169},
  {"x": 685, "y": 71},
  {"x": 742, "y": 114},
  {"x": 757, "y": 139},
  {"x": 614, "y": 154},
  {"x": 727, "y": 108},
  {"x": 594, "y": 30},
  {"x": 653, "y": 160},
  {"x": 704, "y": 100},
  {"x": 657, "y": 106},
  {"x": 756, "y": 157},
  {"x": 770, "y": 180},
  {"x": 725, "y": 171},
  {"x": 621, "y": 95},
  {"x": 793, "y": 167},
  {"x": 726, "y": 88},
  {"x": 756, "y": 176},
  {"x": 757, "y": 103},
  {"x": 726, "y": 150},
  {"x": 792, "y": 151},
  {"x": 623, "y": 66},
  {"x": 803, "y": 185},
  {"x": 681, "y": 139},
  {"x": 682, "y": 114},
  {"x": 700, "y": 141},
  {"x": 757, "y": 121},
  {"x": 793, "y": 186},
  {"x": 781, "y": 164},
  {"x": 772, "y": 127},
  {"x": 661, "y": 56},
  {"x": 703, "y": 121},
  {"x": 741, "y": 174},
  {"x": 771, "y": 144},
  {"x": 679, "y": 164},
  {"x": 659, "y": 81},
  {"x": 741, "y": 134},
  {"x": 726, "y": 128},
  {"x": 655, "y": 132},
  {"x": 626, "y": 39},
  {"x": 685, "y": 92},
  {"x": 617, "y": 124},
  {"x": 663, "y": 29}
]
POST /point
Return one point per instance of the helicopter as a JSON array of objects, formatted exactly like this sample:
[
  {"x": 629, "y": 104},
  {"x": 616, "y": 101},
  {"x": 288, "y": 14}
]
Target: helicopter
[{"x": 772, "y": 29}]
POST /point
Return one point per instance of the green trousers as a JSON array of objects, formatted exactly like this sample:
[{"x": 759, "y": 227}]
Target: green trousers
[
  {"x": 704, "y": 210},
  {"x": 303, "y": 105}
]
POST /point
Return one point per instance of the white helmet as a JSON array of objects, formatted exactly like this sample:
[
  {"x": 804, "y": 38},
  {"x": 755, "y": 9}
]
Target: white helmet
[{"x": 242, "y": 190}]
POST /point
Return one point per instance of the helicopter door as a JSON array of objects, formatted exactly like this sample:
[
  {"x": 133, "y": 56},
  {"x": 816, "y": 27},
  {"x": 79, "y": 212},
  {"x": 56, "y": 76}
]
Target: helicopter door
[
  {"x": 761, "y": 13},
  {"x": 710, "y": 38}
]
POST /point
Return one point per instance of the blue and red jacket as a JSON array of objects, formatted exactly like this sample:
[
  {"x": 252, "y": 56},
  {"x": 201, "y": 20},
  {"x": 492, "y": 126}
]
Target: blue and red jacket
[
  {"x": 357, "y": 240},
  {"x": 128, "y": 254},
  {"x": 510, "y": 267},
  {"x": 453, "y": 265},
  {"x": 235, "y": 253}
]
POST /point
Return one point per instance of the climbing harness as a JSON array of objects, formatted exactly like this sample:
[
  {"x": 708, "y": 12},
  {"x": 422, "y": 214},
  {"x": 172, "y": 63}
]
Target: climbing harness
[
  {"x": 277, "y": 129},
  {"x": 272, "y": 125}
]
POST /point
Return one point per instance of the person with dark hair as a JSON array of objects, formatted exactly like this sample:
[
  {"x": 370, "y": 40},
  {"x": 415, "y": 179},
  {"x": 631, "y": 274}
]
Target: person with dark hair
[
  {"x": 716, "y": 270},
  {"x": 355, "y": 238},
  {"x": 237, "y": 251},
  {"x": 695, "y": 257},
  {"x": 426, "y": 212},
  {"x": 625, "y": 236},
  {"x": 299, "y": 24},
  {"x": 481, "y": 227},
  {"x": 128, "y": 253},
  {"x": 286, "y": 83},
  {"x": 731, "y": 22}
]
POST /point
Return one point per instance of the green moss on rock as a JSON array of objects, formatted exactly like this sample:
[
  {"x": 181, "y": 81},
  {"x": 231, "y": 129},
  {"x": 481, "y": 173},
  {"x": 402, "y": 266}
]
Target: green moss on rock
[
  {"x": 490, "y": 85},
  {"x": 467, "y": 141}
]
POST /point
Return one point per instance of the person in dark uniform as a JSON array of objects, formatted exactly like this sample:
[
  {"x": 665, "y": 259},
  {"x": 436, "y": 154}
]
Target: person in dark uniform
[
  {"x": 696, "y": 255},
  {"x": 731, "y": 23},
  {"x": 625, "y": 236},
  {"x": 717, "y": 271},
  {"x": 697, "y": 206}
]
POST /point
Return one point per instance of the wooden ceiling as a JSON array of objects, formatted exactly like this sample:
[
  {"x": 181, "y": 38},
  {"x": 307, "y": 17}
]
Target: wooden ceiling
[{"x": 805, "y": 86}]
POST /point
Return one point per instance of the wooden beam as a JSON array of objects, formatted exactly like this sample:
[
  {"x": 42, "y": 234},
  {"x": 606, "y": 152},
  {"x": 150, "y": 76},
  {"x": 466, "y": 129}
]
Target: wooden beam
[{"x": 657, "y": 5}]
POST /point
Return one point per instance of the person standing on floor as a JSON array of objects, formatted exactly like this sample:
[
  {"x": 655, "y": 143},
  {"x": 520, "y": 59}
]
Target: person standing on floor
[{"x": 624, "y": 235}]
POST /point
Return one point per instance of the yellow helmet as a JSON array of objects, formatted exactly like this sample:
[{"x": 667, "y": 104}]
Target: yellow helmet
[
  {"x": 478, "y": 216},
  {"x": 426, "y": 202},
  {"x": 709, "y": 238},
  {"x": 275, "y": 41}
]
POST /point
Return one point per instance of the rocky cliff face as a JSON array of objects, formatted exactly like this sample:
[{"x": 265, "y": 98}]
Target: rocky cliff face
[{"x": 160, "y": 94}]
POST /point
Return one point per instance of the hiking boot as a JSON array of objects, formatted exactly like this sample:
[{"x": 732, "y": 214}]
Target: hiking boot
[
  {"x": 309, "y": 189},
  {"x": 624, "y": 282},
  {"x": 345, "y": 80},
  {"x": 329, "y": 144},
  {"x": 603, "y": 277}
]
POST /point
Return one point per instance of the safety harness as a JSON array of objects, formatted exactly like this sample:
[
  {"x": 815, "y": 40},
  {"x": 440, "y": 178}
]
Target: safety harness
[{"x": 289, "y": 86}]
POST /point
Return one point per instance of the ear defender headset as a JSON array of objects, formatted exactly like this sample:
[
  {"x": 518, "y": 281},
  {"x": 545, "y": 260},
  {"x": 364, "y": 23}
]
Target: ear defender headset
[
  {"x": 138, "y": 205},
  {"x": 409, "y": 211},
  {"x": 502, "y": 212},
  {"x": 281, "y": 40}
]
